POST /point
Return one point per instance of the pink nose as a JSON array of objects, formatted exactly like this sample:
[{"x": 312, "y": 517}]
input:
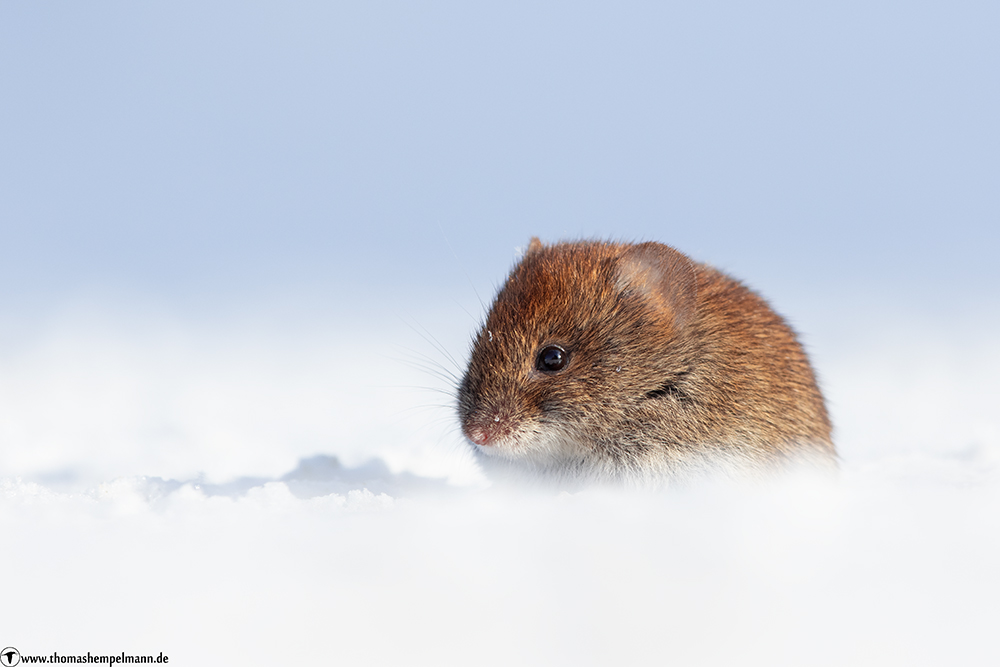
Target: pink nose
[{"x": 478, "y": 436}]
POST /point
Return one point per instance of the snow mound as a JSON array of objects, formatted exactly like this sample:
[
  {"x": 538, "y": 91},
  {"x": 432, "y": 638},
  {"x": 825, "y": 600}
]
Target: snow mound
[{"x": 893, "y": 563}]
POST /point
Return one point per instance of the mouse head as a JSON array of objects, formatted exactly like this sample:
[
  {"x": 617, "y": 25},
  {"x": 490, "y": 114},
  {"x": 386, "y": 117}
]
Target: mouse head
[{"x": 577, "y": 335}]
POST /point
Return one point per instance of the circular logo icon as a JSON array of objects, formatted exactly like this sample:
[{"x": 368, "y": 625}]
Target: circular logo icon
[{"x": 9, "y": 657}]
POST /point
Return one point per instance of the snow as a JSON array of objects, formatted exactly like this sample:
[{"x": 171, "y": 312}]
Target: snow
[{"x": 230, "y": 494}]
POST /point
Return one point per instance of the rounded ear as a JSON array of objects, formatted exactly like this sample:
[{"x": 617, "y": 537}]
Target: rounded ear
[
  {"x": 533, "y": 246},
  {"x": 662, "y": 275}
]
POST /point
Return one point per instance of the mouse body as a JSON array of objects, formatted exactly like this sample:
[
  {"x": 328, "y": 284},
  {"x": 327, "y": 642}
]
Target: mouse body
[{"x": 633, "y": 364}]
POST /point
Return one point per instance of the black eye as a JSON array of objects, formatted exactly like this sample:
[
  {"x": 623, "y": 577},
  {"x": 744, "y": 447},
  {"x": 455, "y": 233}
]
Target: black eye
[{"x": 552, "y": 358}]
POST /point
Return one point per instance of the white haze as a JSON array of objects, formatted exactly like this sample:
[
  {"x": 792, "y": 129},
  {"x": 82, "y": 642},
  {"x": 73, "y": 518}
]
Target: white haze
[{"x": 174, "y": 486}]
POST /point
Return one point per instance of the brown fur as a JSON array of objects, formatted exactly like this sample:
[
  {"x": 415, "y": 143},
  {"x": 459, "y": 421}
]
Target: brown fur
[{"x": 674, "y": 369}]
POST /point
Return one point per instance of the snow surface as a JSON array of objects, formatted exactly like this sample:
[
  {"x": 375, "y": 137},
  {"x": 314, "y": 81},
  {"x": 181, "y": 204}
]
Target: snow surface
[{"x": 247, "y": 493}]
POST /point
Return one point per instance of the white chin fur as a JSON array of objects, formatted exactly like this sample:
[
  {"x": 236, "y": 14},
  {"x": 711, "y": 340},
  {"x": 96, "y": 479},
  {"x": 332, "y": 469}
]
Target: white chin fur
[
  {"x": 531, "y": 447},
  {"x": 545, "y": 459}
]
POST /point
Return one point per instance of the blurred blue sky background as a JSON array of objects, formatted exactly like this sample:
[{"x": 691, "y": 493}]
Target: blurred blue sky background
[{"x": 195, "y": 154}]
